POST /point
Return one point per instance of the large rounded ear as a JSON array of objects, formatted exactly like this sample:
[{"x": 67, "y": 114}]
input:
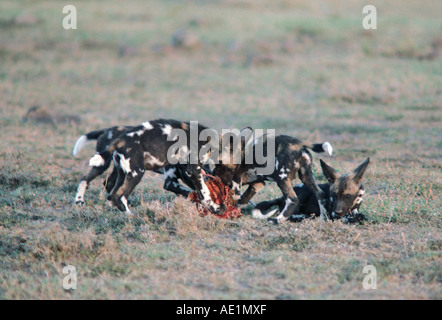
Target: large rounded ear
[
  {"x": 330, "y": 174},
  {"x": 358, "y": 173}
]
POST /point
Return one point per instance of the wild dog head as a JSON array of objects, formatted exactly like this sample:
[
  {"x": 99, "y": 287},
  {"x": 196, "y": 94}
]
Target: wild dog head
[{"x": 345, "y": 190}]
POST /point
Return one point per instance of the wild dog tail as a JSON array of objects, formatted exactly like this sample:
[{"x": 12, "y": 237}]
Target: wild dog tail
[
  {"x": 86, "y": 138},
  {"x": 321, "y": 147}
]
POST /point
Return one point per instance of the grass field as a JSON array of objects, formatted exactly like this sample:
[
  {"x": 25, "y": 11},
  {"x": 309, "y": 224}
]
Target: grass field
[{"x": 304, "y": 68}]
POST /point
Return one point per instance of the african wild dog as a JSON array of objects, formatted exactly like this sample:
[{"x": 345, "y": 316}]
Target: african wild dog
[
  {"x": 292, "y": 158},
  {"x": 343, "y": 194},
  {"x": 146, "y": 147},
  {"x": 104, "y": 138}
]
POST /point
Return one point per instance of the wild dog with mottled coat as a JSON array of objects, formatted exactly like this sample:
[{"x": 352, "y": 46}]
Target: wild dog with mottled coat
[
  {"x": 343, "y": 194},
  {"x": 105, "y": 137},
  {"x": 146, "y": 147},
  {"x": 292, "y": 158}
]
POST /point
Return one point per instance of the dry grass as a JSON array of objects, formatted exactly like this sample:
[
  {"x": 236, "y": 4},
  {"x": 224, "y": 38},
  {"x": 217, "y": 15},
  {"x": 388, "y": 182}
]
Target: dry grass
[{"x": 304, "y": 68}]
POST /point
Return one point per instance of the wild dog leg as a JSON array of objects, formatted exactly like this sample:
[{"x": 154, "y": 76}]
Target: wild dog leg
[
  {"x": 119, "y": 198},
  {"x": 85, "y": 180},
  {"x": 130, "y": 172},
  {"x": 117, "y": 185},
  {"x": 291, "y": 201},
  {"x": 110, "y": 181},
  {"x": 131, "y": 181},
  {"x": 250, "y": 192},
  {"x": 171, "y": 182},
  {"x": 306, "y": 175}
]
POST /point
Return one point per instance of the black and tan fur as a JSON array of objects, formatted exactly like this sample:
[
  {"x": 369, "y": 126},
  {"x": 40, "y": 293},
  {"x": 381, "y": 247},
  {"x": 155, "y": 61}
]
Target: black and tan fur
[
  {"x": 292, "y": 159},
  {"x": 145, "y": 147},
  {"x": 343, "y": 194}
]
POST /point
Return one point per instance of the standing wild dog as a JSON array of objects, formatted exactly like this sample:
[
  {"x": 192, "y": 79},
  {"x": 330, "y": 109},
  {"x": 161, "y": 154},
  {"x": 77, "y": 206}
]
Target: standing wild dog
[
  {"x": 105, "y": 137},
  {"x": 291, "y": 158},
  {"x": 147, "y": 147},
  {"x": 344, "y": 195}
]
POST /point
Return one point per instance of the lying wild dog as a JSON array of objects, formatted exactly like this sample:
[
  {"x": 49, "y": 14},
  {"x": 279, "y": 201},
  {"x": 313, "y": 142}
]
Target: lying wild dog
[
  {"x": 146, "y": 147},
  {"x": 104, "y": 138},
  {"x": 292, "y": 158},
  {"x": 343, "y": 193}
]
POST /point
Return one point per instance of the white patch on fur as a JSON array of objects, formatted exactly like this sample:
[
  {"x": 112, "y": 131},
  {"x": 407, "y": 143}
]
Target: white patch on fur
[
  {"x": 124, "y": 163},
  {"x": 276, "y": 164},
  {"x": 152, "y": 160},
  {"x": 283, "y": 173},
  {"x": 81, "y": 142},
  {"x": 257, "y": 214},
  {"x": 147, "y": 125},
  {"x": 327, "y": 148},
  {"x": 236, "y": 186},
  {"x": 299, "y": 185},
  {"x": 205, "y": 191},
  {"x": 124, "y": 200},
  {"x": 280, "y": 218},
  {"x": 167, "y": 130},
  {"x": 138, "y": 133},
  {"x": 134, "y": 174},
  {"x": 79, "y": 197},
  {"x": 109, "y": 135},
  {"x": 207, "y": 200},
  {"x": 96, "y": 161}
]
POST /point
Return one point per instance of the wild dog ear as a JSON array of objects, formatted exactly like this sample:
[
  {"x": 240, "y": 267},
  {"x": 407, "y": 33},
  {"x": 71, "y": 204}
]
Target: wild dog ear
[
  {"x": 358, "y": 173},
  {"x": 330, "y": 174}
]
